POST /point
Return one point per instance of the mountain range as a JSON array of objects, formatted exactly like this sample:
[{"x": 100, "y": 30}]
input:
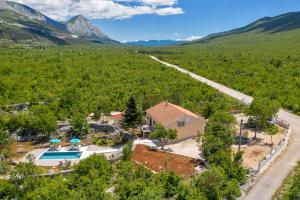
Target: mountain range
[
  {"x": 154, "y": 43},
  {"x": 264, "y": 26},
  {"x": 20, "y": 23}
]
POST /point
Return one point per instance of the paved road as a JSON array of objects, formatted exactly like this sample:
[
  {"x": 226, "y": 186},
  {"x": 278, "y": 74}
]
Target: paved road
[{"x": 273, "y": 177}]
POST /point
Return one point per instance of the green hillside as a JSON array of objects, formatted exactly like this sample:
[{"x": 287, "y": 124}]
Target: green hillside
[
  {"x": 270, "y": 25},
  {"x": 261, "y": 64}
]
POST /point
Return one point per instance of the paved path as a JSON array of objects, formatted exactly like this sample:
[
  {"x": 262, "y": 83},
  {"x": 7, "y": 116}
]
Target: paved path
[{"x": 273, "y": 177}]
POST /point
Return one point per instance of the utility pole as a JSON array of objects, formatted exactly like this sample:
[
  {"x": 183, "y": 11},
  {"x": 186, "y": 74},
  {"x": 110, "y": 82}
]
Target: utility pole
[{"x": 241, "y": 128}]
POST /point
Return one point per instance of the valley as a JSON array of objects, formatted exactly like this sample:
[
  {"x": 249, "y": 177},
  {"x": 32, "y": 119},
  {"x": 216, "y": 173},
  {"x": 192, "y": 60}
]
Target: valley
[{"x": 202, "y": 118}]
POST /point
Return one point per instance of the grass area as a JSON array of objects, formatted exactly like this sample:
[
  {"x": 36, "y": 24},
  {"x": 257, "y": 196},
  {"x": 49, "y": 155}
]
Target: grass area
[{"x": 286, "y": 189}]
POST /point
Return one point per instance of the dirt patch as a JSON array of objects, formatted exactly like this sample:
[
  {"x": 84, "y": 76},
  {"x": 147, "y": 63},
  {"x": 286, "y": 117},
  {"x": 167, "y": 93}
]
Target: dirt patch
[
  {"x": 159, "y": 161},
  {"x": 260, "y": 148},
  {"x": 19, "y": 149}
]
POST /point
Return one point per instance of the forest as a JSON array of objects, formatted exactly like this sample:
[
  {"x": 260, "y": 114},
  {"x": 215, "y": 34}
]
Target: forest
[
  {"x": 99, "y": 79},
  {"x": 260, "y": 65}
]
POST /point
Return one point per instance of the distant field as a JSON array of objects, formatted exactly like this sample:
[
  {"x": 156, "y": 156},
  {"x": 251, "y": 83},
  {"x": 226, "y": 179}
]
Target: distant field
[
  {"x": 87, "y": 79},
  {"x": 260, "y": 65}
]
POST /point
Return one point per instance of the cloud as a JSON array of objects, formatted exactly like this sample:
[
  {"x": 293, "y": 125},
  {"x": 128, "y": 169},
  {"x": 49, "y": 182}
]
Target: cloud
[
  {"x": 169, "y": 11},
  {"x": 103, "y": 9},
  {"x": 154, "y": 2},
  {"x": 192, "y": 38}
]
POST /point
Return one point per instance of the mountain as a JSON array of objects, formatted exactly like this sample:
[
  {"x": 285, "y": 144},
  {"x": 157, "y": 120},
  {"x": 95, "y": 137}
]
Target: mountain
[
  {"x": 154, "y": 43},
  {"x": 22, "y": 24},
  {"x": 267, "y": 25},
  {"x": 81, "y": 27},
  {"x": 32, "y": 14}
]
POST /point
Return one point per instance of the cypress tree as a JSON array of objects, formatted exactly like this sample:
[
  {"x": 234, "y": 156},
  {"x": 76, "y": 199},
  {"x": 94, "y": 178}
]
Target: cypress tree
[{"x": 133, "y": 116}]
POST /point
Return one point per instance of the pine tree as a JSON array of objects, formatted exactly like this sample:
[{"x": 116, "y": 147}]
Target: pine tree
[{"x": 133, "y": 116}]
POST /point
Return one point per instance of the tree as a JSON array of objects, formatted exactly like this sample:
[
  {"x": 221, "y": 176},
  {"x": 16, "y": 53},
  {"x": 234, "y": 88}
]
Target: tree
[
  {"x": 97, "y": 163},
  {"x": 217, "y": 136},
  {"x": 271, "y": 130},
  {"x": 224, "y": 118},
  {"x": 163, "y": 135},
  {"x": 217, "y": 142},
  {"x": 90, "y": 186},
  {"x": 211, "y": 183},
  {"x": 5, "y": 142},
  {"x": 133, "y": 116},
  {"x": 7, "y": 190},
  {"x": 127, "y": 151},
  {"x": 44, "y": 122},
  {"x": 48, "y": 123},
  {"x": 44, "y": 190},
  {"x": 232, "y": 190},
  {"x": 102, "y": 107},
  {"x": 5, "y": 167},
  {"x": 261, "y": 110},
  {"x": 171, "y": 184},
  {"x": 189, "y": 192},
  {"x": 23, "y": 171},
  {"x": 79, "y": 124}
]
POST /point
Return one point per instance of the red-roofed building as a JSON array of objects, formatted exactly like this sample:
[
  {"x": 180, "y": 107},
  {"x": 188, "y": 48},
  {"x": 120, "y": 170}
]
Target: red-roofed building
[
  {"x": 116, "y": 117},
  {"x": 171, "y": 116}
]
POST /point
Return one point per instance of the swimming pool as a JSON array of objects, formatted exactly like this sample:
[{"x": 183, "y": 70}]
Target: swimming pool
[{"x": 60, "y": 156}]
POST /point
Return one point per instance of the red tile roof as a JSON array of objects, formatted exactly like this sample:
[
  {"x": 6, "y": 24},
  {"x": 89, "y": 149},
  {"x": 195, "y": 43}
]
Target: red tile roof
[{"x": 166, "y": 113}]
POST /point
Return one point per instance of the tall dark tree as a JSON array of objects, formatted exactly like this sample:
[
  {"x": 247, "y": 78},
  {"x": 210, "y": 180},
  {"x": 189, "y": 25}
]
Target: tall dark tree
[{"x": 133, "y": 115}]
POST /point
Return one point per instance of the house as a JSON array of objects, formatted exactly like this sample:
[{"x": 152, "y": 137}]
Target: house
[{"x": 171, "y": 116}]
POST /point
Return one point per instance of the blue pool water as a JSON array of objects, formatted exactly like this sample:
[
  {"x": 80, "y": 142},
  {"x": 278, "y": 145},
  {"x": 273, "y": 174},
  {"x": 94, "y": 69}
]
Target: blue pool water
[{"x": 60, "y": 155}]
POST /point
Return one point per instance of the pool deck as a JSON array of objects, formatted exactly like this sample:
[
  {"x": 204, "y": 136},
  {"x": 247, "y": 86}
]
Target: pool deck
[{"x": 86, "y": 152}]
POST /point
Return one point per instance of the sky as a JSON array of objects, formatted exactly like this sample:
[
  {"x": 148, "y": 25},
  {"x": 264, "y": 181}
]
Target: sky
[{"x": 130, "y": 20}]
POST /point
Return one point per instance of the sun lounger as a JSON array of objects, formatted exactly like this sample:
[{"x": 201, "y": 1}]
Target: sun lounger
[
  {"x": 54, "y": 148},
  {"x": 74, "y": 148}
]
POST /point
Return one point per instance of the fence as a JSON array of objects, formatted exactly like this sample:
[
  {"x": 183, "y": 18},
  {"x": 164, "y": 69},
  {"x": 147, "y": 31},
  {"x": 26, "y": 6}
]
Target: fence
[{"x": 283, "y": 142}]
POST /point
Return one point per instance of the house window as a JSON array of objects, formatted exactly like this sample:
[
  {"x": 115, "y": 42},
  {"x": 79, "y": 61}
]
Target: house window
[{"x": 181, "y": 124}]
